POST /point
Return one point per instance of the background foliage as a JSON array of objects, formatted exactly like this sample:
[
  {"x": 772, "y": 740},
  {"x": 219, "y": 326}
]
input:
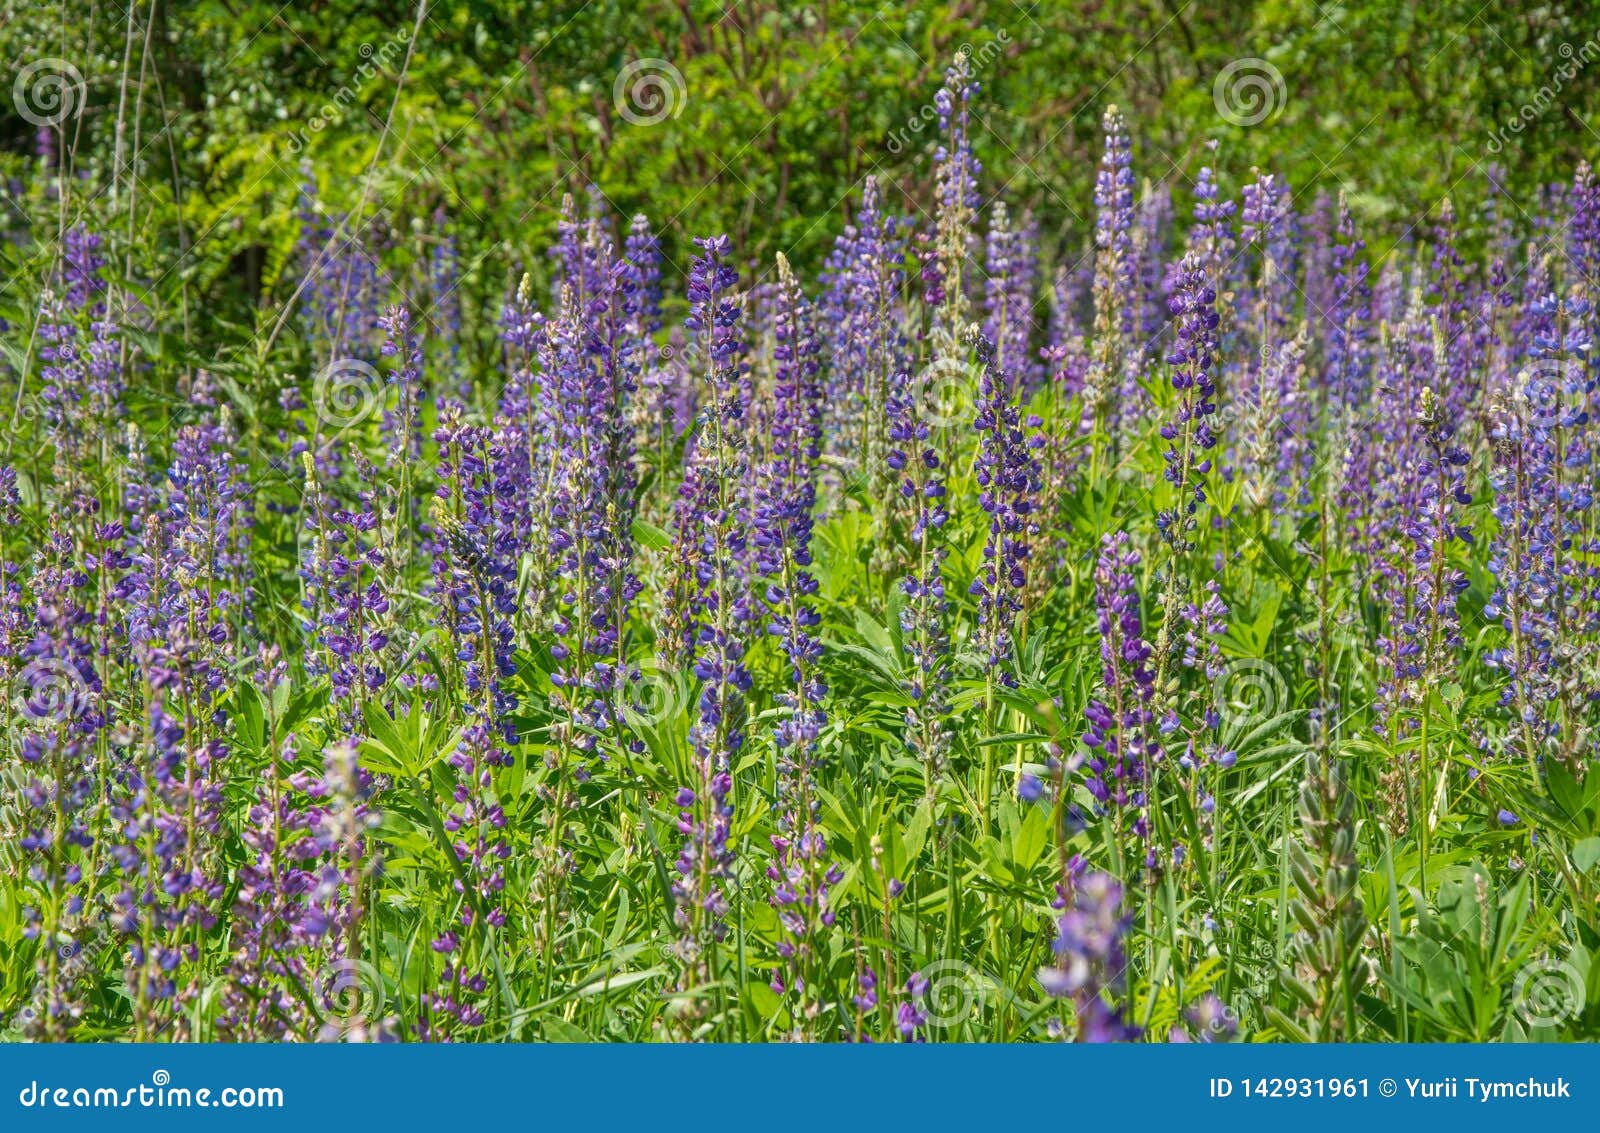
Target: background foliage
[{"x": 787, "y": 107}]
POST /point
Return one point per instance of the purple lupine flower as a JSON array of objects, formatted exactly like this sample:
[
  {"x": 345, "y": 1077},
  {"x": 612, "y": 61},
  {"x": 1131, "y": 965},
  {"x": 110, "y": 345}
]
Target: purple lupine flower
[
  {"x": 1543, "y": 436},
  {"x": 1211, "y": 236},
  {"x": 1449, "y": 300},
  {"x": 1442, "y": 498},
  {"x": 15, "y": 621},
  {"x": 1008, "y": 296},
  {"x": 344, "y": 598},
  {"x": 475, "y": 575},
  {"x": 478, "y": 567},
  {"x": 187, "y": 595},
  {"x": 402, "y": 423},
  {"x": 582, "y": 264},
  {"x": 1008, "y": 479},
  {"x": 710, "y": 540},
  {"x": 1393, "y": 458},
  {"x": 1211, "y": 1021},
  {"x": 298, "y": 908},
  {"x": 593, "y": 356},
  {"x": 651, "y": 412},
  {"x": 623, "y": 351},
  {"x": 915, "y": 457},
  {"x": 1090, "y": 964},
  {"x": 1189, "y": 436},
  {"x": 1066, "y": 366},
  {"x": 165, "y": 828},
  {"x": 1263, "y": 275},
  {"x": 342, "y": 280},
  {"x": 581, "y": 543},
  {"x": 909, "y": 1017},
  {"x": 866, "y": 1002},
  {"x": 587, "y": 292},
  {"x": 1204, "y": 757},
  {"x": 1389, "y": 294},
  {"x": 81, "y": 360},
  {"x": 1294, "y": 423},
  {"x": 1266, "y": 219},
  {"x": 1121, "y": 741},
  {"x": 58, "y": 717},
  {"x": 1348, "y": 315},
  {"x": 1421, "y": 493},
  {"x": 338, "y": 829},
  {"x": 1067, "y": 361},
  {"x": 1114, "y": 273},
  {"x": 529, "y": 455},
  {"x": 862, "y": 309},
  {"x": 1064, "y": 328},
  {"x": 956, "y": 177},
  {"x": 800, "y": 872},
  {"x": 1583, "y": 239},
  {"x": 276, "y": 937},
  {"x": 209, "y": 517},
  {"x": 476, "y": 824}
]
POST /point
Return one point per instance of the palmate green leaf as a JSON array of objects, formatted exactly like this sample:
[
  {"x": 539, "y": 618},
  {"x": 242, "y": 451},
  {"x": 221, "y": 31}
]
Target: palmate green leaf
[
  {"x": 298, "y": 706},
  {"x": 885, "y": 671},
  {"x": 408, "y": 745},
  {"x": 846, "y": 815}
]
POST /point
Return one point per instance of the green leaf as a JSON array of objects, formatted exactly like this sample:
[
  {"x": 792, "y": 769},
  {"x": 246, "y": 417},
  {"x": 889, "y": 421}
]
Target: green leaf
[
  {"x": 1030, "y": 838},
  {"x": 650, "y": 537},
  {"x": 250, "y": 720},
  {"x": 557, "y": 1030}
]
